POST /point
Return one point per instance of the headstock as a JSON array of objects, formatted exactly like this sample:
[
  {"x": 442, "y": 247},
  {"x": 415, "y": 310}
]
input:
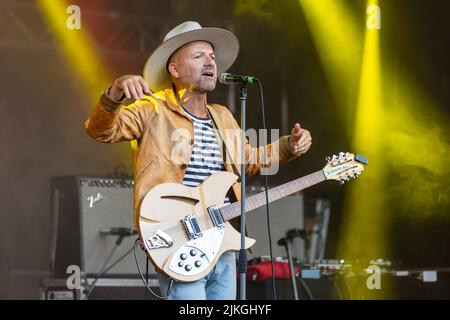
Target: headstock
[{"x": 344, "y": 166}]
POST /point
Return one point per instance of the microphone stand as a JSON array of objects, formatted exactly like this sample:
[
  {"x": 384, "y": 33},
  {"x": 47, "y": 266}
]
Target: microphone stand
[
  {"x": 89, "y": 290},
  {"x": 287, "y": 243},
  {"x": 243, "y": 251}
]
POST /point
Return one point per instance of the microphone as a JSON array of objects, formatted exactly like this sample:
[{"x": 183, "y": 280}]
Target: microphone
[
  {"x": 122, "y": 232},
  {"x": 228, "y": 78}
]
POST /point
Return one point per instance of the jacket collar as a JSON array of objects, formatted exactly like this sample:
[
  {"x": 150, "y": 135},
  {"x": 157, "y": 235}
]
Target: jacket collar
[{"x": 172, "y": 101}]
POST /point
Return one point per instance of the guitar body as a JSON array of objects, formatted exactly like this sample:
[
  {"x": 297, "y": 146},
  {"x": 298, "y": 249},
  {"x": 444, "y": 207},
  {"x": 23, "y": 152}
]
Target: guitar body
[
  {"x": 184, "y": 230},
  {"x": 178, "y": 232}
]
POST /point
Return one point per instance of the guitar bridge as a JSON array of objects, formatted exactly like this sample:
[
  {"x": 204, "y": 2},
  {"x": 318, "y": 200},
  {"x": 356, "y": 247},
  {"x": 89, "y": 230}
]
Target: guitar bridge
[
  {"x": 216, "y": 217},
  {"x": 191, "y": 226}
]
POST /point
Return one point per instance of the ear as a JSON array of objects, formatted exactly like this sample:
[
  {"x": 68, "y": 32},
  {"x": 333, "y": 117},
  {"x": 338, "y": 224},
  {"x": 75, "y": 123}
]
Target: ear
[{"x": 172, "y": 67}]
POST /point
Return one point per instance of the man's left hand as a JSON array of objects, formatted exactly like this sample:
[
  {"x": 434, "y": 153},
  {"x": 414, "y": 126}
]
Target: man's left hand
[{"x": 300, "y": 140}]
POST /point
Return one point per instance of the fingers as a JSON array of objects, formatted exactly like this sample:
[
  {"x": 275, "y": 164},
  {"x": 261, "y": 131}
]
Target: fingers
[
  {"x": 305, "y": 137},
  {"x": 301, "y": 140},
  {"x": 133, "y": 90},
  {"x": 139, "y": 89},
  {"x": 126, "y": 90},
  {"x": 144, "y": 85},
  {"x": 296, "y": 129},
  {"x": 134, "y": 87},
  {"x": 305, "y": 141},
  {"x": 296, "y": 133}
]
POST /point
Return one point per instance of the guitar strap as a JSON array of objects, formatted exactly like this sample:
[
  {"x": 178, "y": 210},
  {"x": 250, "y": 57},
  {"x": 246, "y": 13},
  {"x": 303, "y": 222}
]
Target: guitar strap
[{"x": 225, "y": 148}]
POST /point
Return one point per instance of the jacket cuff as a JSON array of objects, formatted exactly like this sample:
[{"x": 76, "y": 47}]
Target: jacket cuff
[{"x": 110, "y": 104}]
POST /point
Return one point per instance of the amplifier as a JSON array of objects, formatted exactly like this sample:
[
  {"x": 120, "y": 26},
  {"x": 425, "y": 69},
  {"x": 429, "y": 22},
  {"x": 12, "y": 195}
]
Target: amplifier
[
  {"x": 286, "y": 214},
  {"x": 81, "y": 207}
]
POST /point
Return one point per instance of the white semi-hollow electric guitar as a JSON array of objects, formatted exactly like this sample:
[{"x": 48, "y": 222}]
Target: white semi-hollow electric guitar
[{"x": 185, "y": 229}]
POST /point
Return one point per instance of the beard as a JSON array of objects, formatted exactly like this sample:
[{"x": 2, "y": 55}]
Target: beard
[
  {"x": 207, "y": 87},
  {"x": 204, "y": 84},
  {"x": 201, "y": 83}
]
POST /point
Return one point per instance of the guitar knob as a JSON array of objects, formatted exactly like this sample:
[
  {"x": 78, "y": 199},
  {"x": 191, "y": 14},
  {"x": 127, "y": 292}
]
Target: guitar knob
[
  {"x": 193, "y": 252},
  {"x": 180, "y": 264},
  {"x": 188, "y": 267},
  {"x": 198, "y": 263},
  {"x": 183, "y": 256}
]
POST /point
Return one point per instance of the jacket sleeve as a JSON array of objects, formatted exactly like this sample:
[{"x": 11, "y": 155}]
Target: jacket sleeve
[
  {"x": 277, "y": 152},
  {"x": 110, "y": 123}
]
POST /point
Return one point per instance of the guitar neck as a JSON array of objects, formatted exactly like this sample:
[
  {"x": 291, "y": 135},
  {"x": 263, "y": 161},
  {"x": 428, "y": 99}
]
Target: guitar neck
[{"x": 258, "y": 200}]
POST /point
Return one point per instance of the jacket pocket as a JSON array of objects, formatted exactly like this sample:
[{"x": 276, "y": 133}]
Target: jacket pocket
[{"x": 146, "y": 167}]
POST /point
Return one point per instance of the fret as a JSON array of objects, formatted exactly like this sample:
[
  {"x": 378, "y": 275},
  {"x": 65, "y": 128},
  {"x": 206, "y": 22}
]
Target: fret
[{"x": 258, "y": 200}]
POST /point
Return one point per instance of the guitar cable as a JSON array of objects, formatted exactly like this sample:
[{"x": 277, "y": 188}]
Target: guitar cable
[
  {"x": 169, "y": 289},
  {"x": 267, "y": 194}
]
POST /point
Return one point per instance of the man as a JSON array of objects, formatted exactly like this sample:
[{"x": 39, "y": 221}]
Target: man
[{"x": 173, "y": 98}]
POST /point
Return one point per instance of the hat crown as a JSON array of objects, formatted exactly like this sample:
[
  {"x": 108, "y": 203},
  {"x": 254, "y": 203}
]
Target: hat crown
[{"x": 182, "y": 28}]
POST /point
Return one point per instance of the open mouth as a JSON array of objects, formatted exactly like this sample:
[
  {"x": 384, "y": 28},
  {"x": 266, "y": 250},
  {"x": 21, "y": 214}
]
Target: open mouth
[{"x": 208, "y": 74}]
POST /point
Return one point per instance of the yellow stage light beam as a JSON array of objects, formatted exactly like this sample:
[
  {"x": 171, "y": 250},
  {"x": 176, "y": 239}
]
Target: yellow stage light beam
[
  {"x": 338, "y": 39},
  {"x": 418, "y": 149},
  {"x": 364, "y": 226},
  {"x": 346, "y": 59},
  {"x": 81, "y": 57},
  {"x": 78, "y": 49},
  {"x": 396, "y": 125},
  {"x": 366, "y": 196}
]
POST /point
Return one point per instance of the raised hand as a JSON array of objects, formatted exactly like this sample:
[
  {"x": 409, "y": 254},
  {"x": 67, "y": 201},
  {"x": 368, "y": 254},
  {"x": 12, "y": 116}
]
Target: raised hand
[
  {"x": 132, "y": 86},
  {"x": 300, "y": 140}
]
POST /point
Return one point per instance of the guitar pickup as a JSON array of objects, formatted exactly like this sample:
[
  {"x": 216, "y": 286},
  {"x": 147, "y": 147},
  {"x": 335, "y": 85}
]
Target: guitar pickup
[
  {"x": 191, "y": 226},
  {"x": 216, "y": 217}
]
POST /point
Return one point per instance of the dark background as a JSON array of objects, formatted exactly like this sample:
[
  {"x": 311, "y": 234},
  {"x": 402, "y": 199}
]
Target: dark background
[{"x": 44, "y": 107}]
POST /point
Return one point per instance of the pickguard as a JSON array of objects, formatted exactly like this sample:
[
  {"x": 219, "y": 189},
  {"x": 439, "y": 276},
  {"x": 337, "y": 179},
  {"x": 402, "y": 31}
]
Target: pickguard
[{"x": 197, "y": 254}]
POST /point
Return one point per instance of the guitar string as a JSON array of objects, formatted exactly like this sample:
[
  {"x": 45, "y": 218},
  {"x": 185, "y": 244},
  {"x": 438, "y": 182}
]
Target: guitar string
[{"x": 205, "y": 218}]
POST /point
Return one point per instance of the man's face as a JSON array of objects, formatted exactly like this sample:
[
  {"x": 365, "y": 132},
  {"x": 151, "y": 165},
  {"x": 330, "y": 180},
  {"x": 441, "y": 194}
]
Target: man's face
[{"x": 194, "y": 65}]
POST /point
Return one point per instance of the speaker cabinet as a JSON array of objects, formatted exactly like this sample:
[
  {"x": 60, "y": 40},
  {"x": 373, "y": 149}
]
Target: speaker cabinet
[
  {"x": 285, "y": 214},
  {"x": 81, "y": 206}
]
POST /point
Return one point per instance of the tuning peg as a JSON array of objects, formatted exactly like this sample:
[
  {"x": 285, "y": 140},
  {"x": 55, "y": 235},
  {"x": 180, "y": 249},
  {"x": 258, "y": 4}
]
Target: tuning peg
[
  {"x": 341, "y": 182},
  {"x": 341, "y": 154},
  {"x": 328, "y": 159},
  {"x": 334, "y": 157}
]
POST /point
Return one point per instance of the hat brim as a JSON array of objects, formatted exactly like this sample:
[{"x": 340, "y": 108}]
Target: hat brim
[{"x": 226, "y": 49}]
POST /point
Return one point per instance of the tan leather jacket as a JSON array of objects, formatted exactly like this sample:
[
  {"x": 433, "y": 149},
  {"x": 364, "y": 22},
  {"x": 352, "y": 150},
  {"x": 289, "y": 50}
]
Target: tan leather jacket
[{"x": 164, "y": 136}]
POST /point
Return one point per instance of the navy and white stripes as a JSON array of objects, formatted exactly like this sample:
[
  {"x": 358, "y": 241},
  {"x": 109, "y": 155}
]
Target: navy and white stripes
[{"x": 206, "y": 157}]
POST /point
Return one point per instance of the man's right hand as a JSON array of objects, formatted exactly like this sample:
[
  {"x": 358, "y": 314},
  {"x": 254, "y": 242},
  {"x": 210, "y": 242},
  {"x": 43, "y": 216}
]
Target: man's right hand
[{"x": 131, "y": 85}]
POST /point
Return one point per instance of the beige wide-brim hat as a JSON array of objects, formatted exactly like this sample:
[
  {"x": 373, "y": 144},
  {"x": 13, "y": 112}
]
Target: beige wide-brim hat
[{"x": 224, "y": 42}]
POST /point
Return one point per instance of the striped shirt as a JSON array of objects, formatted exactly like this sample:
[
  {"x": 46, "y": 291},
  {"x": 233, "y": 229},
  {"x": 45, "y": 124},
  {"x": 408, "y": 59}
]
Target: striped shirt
[{"x": 206, "y": 157}]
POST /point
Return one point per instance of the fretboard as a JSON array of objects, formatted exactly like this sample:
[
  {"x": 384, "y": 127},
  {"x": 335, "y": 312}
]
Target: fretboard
[{"x": 258, "y": 200}]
